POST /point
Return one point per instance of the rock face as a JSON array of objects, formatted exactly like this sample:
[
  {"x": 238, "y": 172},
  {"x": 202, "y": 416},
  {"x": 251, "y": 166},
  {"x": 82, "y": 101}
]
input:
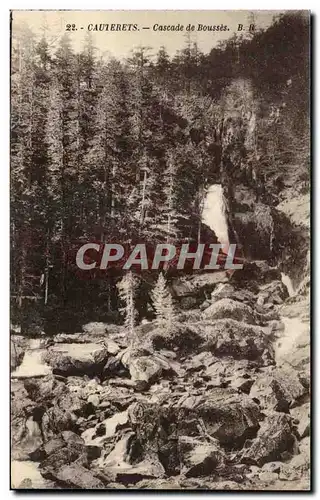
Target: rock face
[{"x": 219, "y": 402}]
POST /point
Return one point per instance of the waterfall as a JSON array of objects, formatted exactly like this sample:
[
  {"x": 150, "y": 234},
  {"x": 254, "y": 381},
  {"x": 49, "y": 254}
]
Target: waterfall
[
  {"x": 288, "y": 283},
  {"x": 214, "y": 213},
  {"x": 32, "y": 364}
]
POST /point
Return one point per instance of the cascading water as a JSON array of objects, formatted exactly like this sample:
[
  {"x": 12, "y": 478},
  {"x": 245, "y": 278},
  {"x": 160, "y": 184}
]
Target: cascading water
[
  {"x": 288, "y": 283},
  {"x": 214, "y": 213},
  {"x": 32, "y": 364},
  {"x": 25, "y": 469}
]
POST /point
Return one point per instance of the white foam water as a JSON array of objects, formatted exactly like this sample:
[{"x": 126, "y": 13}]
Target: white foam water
[
  {"x": 288, "y": 283},
  {"x": 214, "y": 213},
  {"x": 32, "y": 364}
]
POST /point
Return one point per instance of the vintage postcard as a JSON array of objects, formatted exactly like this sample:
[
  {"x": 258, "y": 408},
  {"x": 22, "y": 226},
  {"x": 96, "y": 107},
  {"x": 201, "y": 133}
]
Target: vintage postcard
[{"x": 160, "y": 250}]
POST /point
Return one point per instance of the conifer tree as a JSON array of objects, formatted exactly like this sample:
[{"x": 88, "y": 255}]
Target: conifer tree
[{"x": 163, "y": 304}]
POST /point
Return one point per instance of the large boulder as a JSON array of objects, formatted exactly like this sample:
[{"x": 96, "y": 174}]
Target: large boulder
[
  {"x": 197, "y": 285},
  {"x": 278, "y": 389},
  {"x": 228, "y": 291},
  {"x": 184, "y": 337},
  {"x": 95, "y": 327},
  {"x": 228, "y": 372},
  {"x": 254, "y": 274},
  {"x": 198, "y": 457},
  {"x": 228, "y": 308},
  {"x": 229, "y": 417},
  {"x": 228, "y": 337},
  {"x": 222, "y": 414},
  {"x": 273, "y": 293},
  {"x": 44, "y": 390},
  {"x": 147, "y": 369},
  {"x": 116, "y": 463},
  {"x": 64, "y": 448},
  {"x": 299, "y": 465},
  {"x": 75, "y": 476},
  {"x": 274, "y": 437},
  {"x": 77, "y": 359}
]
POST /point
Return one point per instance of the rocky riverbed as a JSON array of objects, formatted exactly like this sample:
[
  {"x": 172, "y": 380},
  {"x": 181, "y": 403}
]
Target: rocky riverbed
[{"x": 220, "y": 403}]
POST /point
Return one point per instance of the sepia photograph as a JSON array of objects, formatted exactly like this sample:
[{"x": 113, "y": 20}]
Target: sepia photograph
[{"x": 160, "y": 250}]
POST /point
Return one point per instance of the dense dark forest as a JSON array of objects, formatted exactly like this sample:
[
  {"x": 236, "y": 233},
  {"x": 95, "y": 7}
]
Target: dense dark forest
[{"x": 123, "y": 151}]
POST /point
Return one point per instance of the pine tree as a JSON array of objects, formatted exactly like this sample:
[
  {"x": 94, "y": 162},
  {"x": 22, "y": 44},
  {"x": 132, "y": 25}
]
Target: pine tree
[{"x": 163, "y": 304}]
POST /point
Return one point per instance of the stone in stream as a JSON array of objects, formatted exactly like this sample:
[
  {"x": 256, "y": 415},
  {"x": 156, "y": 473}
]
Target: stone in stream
[
  {"x": 77, "y": 359},
  {"x": 54, "y": 447},
  {"x": 42, "y": 390}
]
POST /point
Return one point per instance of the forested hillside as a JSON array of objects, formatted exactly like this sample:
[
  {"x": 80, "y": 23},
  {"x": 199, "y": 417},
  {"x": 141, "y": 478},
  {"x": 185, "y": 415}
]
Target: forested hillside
[{"x": 108, "y": 150}]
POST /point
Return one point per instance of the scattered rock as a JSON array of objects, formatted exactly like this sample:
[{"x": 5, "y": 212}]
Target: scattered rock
[{"x": 198, "y": 458}]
